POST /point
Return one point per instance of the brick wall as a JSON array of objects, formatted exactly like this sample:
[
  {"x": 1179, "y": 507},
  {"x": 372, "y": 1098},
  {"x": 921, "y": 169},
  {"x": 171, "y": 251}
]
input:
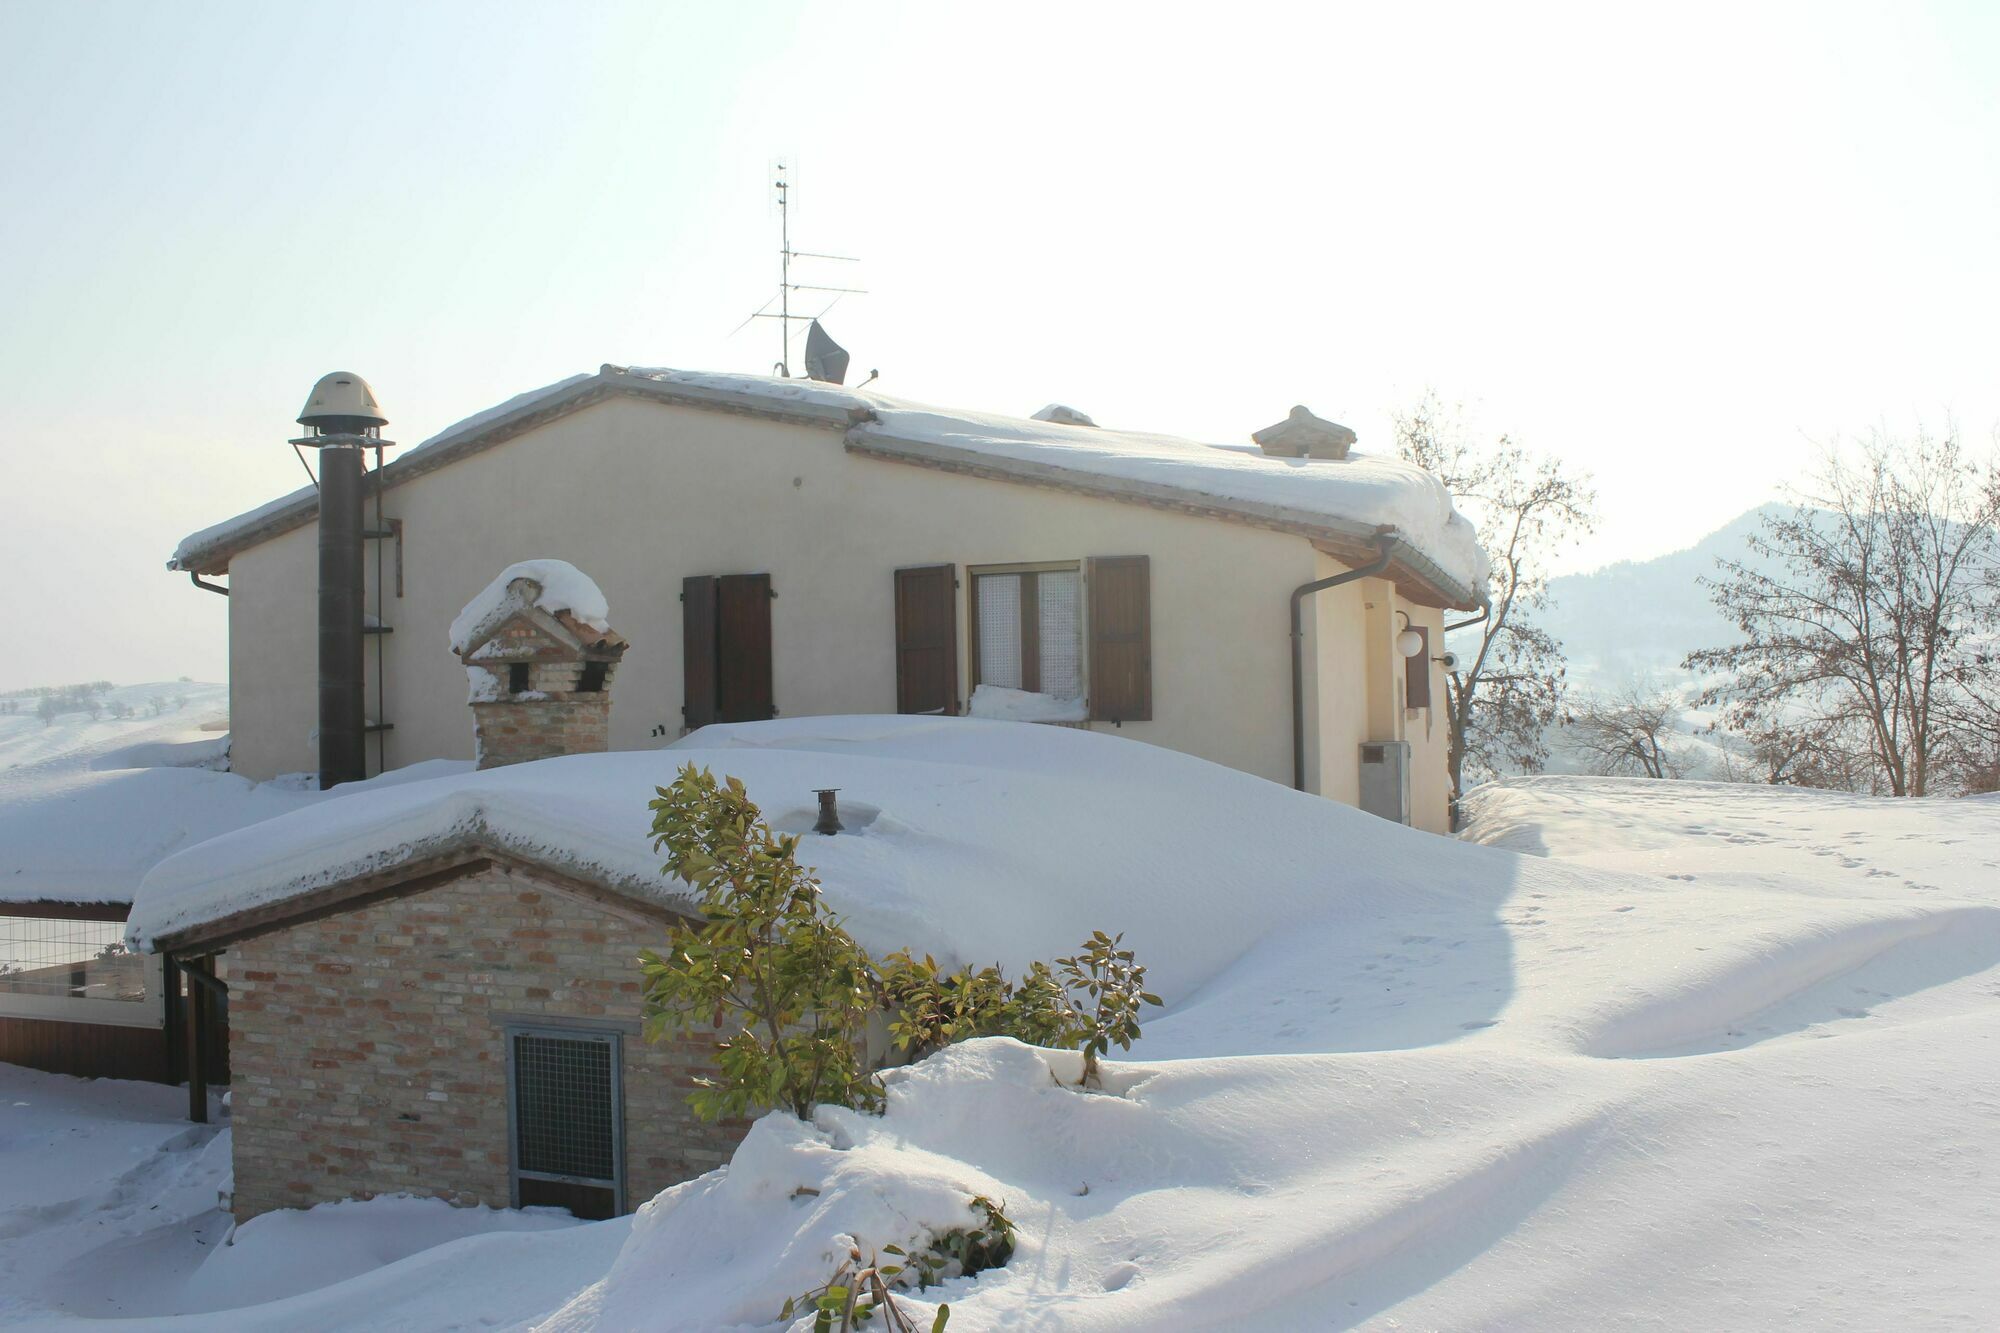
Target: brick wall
[
  {"x": 369, "y": 1049},
  {"x": 515, "y": 731}
]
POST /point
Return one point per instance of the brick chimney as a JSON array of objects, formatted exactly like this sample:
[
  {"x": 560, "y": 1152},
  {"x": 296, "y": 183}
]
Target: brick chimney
[{"x": 540, "y": 660}]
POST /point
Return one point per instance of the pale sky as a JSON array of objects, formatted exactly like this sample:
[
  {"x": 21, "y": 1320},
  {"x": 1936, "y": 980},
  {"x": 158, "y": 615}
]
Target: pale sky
[{"x": 1675, "y": 245}]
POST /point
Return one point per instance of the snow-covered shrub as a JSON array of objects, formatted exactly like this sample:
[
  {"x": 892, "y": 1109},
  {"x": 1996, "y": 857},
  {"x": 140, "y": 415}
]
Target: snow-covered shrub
[
  {"x": 1088, "y": 1002},
  {"x": 860, "y": 1289}
]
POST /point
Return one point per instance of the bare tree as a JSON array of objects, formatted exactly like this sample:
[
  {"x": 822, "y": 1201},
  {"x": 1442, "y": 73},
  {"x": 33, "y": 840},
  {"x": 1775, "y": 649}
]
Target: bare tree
[
  {"x": 1800, "y": 752},
  {"x": 1628, "y": 732},
  {"x": 1506, "y": 693},
  {"x": 1876, "y": 611}
]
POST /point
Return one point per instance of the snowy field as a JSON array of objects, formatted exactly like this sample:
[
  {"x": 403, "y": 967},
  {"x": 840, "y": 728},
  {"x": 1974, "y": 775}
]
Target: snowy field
[
  {"x": 1657, "y": 1056},
  {"x": 34, "y": 751}
]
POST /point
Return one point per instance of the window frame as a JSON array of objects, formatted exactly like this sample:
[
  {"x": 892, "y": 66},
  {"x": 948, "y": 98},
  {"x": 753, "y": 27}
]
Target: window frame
[
  {"x": 1030, "y": 628},
  {"x": 560, "y": 1031}
]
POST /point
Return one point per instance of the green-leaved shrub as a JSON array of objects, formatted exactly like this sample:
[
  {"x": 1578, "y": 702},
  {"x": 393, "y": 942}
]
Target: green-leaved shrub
[
  {"x": 791, "y": 990},
  {"x": 793, "y": 993}
]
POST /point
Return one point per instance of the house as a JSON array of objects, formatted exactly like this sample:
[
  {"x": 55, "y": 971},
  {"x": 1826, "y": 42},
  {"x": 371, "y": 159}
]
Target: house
[
  {"x": 433, "y": 985},
  {"x": 787, "y": 548}
]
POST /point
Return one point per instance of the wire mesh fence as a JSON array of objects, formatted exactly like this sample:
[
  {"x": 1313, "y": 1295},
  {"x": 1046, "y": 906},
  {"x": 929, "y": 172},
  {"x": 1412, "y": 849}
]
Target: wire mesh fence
[{"x": 84, "y": 960}]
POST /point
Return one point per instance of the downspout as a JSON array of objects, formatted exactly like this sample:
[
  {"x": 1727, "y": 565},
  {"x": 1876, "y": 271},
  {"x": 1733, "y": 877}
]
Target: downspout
[
  {"x": 1485, "y": 610},
  {"x": 207, "y": 587},
  {"x": 1385, "y": 544}
]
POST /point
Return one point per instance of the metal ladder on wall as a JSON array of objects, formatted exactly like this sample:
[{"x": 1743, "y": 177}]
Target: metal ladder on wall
[{"x": 374, "y": 626}]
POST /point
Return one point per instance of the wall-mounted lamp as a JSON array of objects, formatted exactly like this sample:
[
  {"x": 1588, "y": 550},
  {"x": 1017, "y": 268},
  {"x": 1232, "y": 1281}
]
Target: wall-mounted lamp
[{"x": 1409, "y": 643}]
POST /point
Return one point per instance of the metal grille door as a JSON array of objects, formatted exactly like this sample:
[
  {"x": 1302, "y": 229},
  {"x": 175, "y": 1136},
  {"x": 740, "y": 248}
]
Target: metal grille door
[{"x": 566, "y": 1108}]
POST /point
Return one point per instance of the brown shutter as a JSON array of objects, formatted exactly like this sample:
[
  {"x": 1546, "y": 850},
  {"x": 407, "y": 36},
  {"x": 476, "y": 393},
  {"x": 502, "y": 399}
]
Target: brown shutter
[
  {"x": 927, "y": 639},
  {"x": 743, "y": 648},
  {"x": 698, "y": 650},
  {"x": 1417, "y": 674},
  {"x": 1121, "y": 639}
]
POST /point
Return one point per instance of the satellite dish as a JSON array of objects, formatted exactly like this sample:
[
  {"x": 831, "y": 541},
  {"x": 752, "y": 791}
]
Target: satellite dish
[{"x": 826, "y": 360}]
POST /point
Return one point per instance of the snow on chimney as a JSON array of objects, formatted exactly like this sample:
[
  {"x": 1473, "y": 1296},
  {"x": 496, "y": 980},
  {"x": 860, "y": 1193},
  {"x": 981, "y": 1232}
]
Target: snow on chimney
[{"x": 539, "y": 652}]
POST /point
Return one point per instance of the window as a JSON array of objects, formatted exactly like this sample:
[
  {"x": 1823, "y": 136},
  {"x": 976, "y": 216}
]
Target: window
[
  {"x": 1028, "y": 632},
  {"x": 566, "y": 1120},
  {"x": 77, "y": 971},
  {"x": 1028, "y": 628},
  {"x": 593, "y": 677},
  {"x": 517, "y": 678}
]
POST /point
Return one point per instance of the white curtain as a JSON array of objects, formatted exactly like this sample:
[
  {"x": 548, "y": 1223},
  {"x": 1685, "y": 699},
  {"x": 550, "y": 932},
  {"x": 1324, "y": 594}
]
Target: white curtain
[
  {"x": 1000, "y": 630},
  {"x": 1061, "y": 604}
]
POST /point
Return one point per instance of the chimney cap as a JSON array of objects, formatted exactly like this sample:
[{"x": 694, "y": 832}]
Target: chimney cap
[
  {"x": 1303, "y": 435},
  {"x": 1062, "y": 414},
  {"x": 342, "y": 403}
]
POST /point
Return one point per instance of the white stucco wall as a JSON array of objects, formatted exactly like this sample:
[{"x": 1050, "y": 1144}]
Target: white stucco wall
[{"x": 641, "y": 494}]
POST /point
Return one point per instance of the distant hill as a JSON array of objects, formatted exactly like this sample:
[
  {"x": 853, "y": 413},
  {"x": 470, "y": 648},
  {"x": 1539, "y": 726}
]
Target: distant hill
[
  {"x": 159, "y": 722},
  {"x": 1637, "y": 619}
]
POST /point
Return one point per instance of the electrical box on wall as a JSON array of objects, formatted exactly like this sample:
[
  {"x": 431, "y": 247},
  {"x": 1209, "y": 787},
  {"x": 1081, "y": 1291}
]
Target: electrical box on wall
[{"x": 1385, "y": 779}]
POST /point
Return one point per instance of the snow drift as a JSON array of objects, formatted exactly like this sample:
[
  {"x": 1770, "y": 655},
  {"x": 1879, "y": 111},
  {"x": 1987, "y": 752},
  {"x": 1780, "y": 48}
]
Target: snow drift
[{"x": 1662, "y": 1055}]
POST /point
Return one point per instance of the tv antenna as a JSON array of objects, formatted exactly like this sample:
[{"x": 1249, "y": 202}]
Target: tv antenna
[{"x": 786, "y": 286}]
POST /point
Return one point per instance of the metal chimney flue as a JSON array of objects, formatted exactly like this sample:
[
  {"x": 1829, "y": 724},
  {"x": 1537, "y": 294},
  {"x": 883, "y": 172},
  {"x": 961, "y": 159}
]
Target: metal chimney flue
[
  {"x": 342, "y": 421},
  {"x": 829, "y": 812}
]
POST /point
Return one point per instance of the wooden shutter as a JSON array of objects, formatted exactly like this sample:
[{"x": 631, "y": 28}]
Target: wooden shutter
[
  {"x": 1121, "y": 639},
  {"x": 743, "y": 648},
  {"x": 1417, "y": 674},
  {"x": 927, "y": 639},
  {"x": 698, "y": 650}
]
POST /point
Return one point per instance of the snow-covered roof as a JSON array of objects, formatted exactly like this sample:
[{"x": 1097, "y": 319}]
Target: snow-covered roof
[
  {"x": 88, "y": 806},
  {"x": 559, "y": 587},
  {"x": 92, "y": 837},
  {"x": 967, "y": 839},
  {"x": 1349, "y": 503}
]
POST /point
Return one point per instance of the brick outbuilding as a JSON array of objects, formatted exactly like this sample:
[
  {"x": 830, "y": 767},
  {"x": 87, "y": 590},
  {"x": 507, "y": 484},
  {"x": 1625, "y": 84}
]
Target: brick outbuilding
[
  {"x": 462, "y": 1018},
  {"x": 465, "y": 1026}
]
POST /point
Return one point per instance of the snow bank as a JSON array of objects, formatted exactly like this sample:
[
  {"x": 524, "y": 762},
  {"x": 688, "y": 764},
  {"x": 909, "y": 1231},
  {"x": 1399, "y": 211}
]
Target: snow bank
[
  {"x": 1732, "y": 1040},
  {"x": 109, "y": 1209},
  {"x": 968, "y": 839},
  {"x": 1749, "y": 834},
  {"x": 1004, "y": 705},
  {"x": 563, "y": 586},
  {"x": 290, "y": 1251},
  {"x": 727, "y": 1250}
]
